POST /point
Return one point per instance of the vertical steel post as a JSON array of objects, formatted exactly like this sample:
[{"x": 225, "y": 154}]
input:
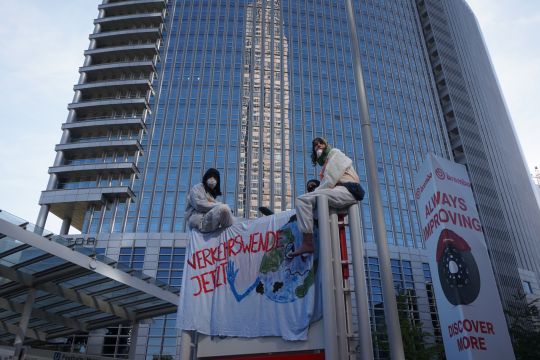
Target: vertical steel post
[
  {"x": 133, "y": 340},
  {"x": 66, "y": 223},
  {"x": 23, "y": 323},
  {"x": 390, "y": 305},
  {"x": 341, "y": 315},
  {"x": 360, "y": 287},
  {"x": 186, "y": 345},
  {"x": 329, "y": 305}
]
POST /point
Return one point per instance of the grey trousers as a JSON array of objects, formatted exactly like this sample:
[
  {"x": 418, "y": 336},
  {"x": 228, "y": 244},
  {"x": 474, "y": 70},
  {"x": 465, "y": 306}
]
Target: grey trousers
[
  {"x": 338, "y": 197},
  {"x": 219, "y": 216}
]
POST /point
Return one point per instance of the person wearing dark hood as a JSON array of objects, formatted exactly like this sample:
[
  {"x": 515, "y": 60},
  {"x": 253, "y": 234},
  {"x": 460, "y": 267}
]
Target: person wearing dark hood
[
  {"x": 339, "y": 182},
  {"x": 203, "y": 211},
  {"x": 311, "y": 185}
]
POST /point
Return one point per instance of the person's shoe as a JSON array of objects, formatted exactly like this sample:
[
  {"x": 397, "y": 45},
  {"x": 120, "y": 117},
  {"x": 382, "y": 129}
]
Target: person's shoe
[
  {"x": 265, "y": 211},
  {"x": 305, "y": 248}
]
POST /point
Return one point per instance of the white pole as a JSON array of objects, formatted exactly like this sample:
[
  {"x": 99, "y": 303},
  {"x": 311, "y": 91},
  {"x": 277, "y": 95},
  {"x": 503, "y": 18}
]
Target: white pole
[
  {"x": 377, "y": 215},
  {"x": 341, "y": 315},
  {"x": 329, "y": 304},
  {"x": 360, "y": 287},
  {"x": 185, "y": 347}
]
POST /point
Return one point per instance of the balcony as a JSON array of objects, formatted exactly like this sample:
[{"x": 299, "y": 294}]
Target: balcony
[
  {"x": 72, "y": 203},
  {"x": 94, "y": 88},
  {"x": 147, "y": 34},
  {"x": 86, "y": 125},
  {"x": 110, "y": 104},
  {"x": 94, "y": 169},
  {"x": 101, "y": 54},
  {"x": 103, "y": 145},
  {"x": 117, "y": 8},
  {"x": 120, "y": 67},
  {"x": 153, "y": 19}
]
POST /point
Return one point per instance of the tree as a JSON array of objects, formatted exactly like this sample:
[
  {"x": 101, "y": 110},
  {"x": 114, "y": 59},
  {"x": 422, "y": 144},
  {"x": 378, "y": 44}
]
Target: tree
[
  {"x": 417, "y": 343},
  {"x": 524, "y": 328}
]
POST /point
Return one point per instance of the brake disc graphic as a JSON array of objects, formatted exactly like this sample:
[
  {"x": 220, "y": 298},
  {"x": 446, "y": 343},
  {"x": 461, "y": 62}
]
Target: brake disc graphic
[{"x": 458, "y": 272}]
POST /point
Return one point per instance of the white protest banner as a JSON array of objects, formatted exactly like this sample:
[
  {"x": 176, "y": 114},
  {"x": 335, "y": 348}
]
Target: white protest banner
[
  {"x": 469, "y": 307},
  {"x": 238, "y": 282}
]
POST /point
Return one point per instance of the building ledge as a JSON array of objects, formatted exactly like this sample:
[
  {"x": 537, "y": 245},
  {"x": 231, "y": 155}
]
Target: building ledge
[
  {"x": 113, "y": 123},
  {"x": 83, "y": 147},
  {"x": 98, "y": 168},
  {"x": 73, "y": 203}
]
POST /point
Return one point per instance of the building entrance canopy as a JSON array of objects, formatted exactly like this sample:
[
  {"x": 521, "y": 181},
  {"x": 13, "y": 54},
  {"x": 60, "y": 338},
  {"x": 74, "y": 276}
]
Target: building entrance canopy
[{"x": 50, "y": 287}]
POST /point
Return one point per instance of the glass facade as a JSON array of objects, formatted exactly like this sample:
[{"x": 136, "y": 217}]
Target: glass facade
[
  {"x": 482, "y": 138},
  {"x": 244, "y": 86}
]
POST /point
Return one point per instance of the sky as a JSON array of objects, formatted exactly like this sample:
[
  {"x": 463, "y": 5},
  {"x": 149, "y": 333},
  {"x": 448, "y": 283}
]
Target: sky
[{"x": 42, "y": 44}]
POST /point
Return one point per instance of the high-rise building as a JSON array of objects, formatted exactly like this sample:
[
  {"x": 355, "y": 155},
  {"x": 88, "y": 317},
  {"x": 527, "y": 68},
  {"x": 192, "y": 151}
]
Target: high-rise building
[{"x": 170, "y": 88}]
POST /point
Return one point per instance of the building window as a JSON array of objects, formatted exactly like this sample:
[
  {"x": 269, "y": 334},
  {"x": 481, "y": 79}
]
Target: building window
[
  {"x": 527, "y": 287},
  {"x": 432, "y": 303},
  {"x": 163, "y": 334},
  {"x": 117, "y": 339},
  {"x": 131, "y": 257}
]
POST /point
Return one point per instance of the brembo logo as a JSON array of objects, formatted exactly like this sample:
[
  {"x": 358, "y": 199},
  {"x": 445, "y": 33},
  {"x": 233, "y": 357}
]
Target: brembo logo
[
  {"x": 440, "y": 173},
  {"x": 420, "y": 189}
]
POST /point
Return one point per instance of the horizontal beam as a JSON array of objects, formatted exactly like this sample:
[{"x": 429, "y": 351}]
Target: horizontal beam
[
  {"x": 43, "y": 315},
  {"x": 85, "y": 262},
  {"x": 69, "y": 294},
  {"x": 30, "y": 333}
]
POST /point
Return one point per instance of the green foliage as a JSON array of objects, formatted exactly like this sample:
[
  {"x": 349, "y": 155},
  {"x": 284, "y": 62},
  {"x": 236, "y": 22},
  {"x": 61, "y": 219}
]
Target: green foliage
[
  {"x": 524, "y": 327},
  {"x": 417, "y": 343}
]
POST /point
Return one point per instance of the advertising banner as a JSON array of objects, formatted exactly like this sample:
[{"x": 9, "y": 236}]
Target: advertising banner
[
  {"x": 239, "y": 282},
  {"x": 469, "y": 307}
]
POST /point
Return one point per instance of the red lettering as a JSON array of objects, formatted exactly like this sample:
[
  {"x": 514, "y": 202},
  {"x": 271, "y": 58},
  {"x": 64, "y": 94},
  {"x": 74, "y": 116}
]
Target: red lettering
[
  {"x": 471, "y": 342},
  {"x": 197, "y": 293},
  {"x": 211, "y": 280},
  {"x": 270, "y": 235},
  {"x": 463, "y": 343},
  {"x": 474, "y": 342},
  {"x": 254, "y": 242},
  {"x": 462, "y": 204},
  {"x": 482, "y": 343},
  {"x": 191, "y": 262},
  {"x": 490, "y": 328}
]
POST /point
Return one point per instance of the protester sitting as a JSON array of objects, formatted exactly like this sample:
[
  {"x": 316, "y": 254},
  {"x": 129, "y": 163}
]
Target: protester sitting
[
  {"x": 339, "y": 182},
  {"x": 203, "y": 211},
  {"x": 311, "y": 185}
]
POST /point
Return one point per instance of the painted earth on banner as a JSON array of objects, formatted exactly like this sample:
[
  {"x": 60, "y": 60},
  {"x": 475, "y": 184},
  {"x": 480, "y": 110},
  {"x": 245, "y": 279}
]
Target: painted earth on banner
[
  {"x": 469, "y": 307},
  {"x": 239, "y": 282}
]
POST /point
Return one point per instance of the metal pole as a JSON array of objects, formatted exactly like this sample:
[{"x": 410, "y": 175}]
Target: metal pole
[
  {"x": 360, "y": 287},
  {"x": 341, "y": 316},
  {"x": 186, "y": 345},
  {"x": 133, "y": 340},
  {"x": 66, "y": 223},
  {"x": 23, "y": 323},
  {"x": 390, "y": 306},
  {"x": 329, "y": 305}
]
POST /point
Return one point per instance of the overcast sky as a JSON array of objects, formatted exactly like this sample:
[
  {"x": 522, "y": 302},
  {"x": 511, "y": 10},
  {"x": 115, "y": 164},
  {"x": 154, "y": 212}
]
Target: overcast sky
[{"x": 42, "y": 45}]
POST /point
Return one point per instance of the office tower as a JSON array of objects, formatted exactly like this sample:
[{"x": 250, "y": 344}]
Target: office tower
[
  {"x": 482, "y": 137},
  {"x": 264, "y": 146},
  {"x": 170, "y": 88}
]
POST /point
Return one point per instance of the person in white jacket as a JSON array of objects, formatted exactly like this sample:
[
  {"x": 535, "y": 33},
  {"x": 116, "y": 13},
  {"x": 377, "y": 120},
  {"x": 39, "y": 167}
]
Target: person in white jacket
[
  {"x": 203, "y": 211},
  {"x": 339, "y": 182}
]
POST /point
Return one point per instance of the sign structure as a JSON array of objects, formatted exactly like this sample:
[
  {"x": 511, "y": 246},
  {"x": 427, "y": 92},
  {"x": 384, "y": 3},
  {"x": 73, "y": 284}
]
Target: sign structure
[
  {"x": 469, "y": 307},
  {"x": 239, "y": 281}
]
